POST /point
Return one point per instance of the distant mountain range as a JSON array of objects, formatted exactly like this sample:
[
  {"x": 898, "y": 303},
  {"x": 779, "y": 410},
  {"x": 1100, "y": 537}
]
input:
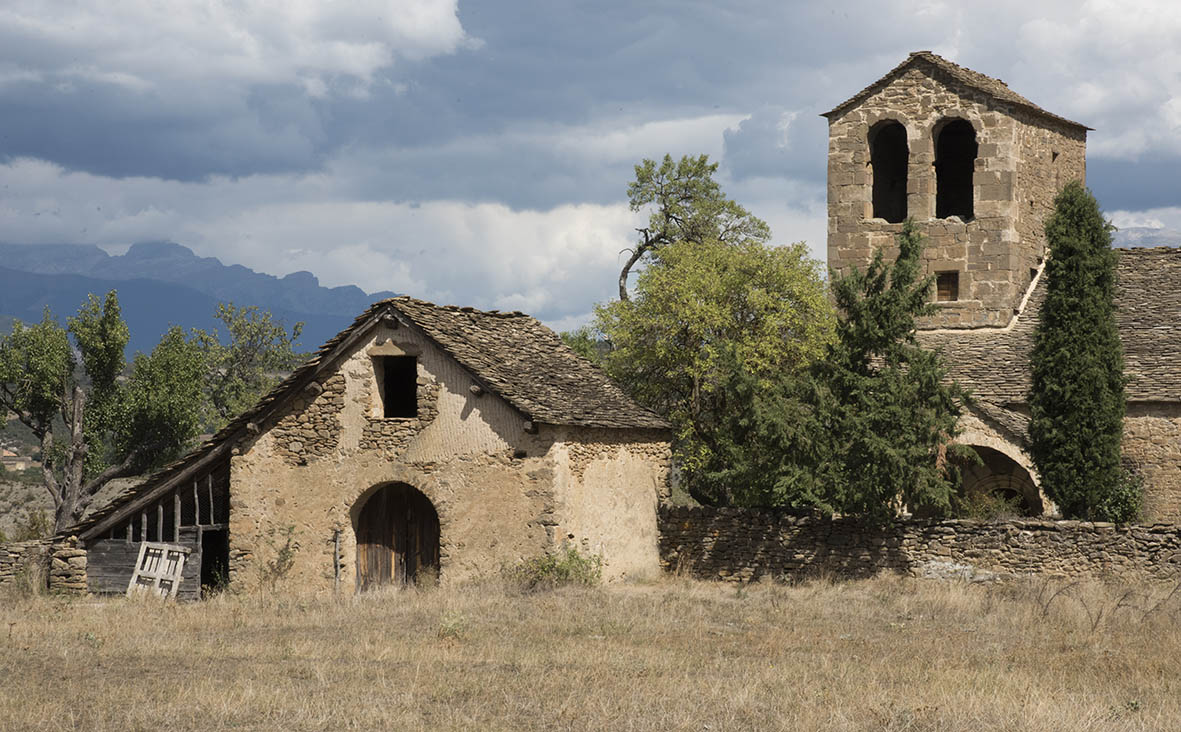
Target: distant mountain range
[{"x": 161, "y": 284}]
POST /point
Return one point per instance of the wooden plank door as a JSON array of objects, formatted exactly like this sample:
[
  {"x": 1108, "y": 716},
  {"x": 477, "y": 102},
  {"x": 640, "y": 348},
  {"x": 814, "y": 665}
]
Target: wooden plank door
[{"x": 397, "y": 538}]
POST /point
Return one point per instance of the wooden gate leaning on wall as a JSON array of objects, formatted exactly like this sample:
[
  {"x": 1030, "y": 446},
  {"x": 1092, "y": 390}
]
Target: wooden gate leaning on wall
[{"x": 397, "y": 538}]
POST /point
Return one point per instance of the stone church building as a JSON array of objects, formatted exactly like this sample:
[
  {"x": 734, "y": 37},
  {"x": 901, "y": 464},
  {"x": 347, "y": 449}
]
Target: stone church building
[
  {"x": 421, "y": 443},
  {"x": 977, "y": 166}
]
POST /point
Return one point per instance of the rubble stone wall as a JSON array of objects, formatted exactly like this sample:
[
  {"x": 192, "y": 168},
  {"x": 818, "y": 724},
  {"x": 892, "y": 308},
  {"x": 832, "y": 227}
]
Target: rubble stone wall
[
  {"x": 58, "y": 563},
  {"x": 1152, "y": 442},
  {"x": 742, "y": 545}
]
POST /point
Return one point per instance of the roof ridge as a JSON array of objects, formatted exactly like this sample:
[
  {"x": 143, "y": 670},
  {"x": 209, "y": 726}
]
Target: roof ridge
[
  {"x": 453, "y": 308},
  {"x": 970, "y": 77},
  {"x": 1162, "y": 249}
]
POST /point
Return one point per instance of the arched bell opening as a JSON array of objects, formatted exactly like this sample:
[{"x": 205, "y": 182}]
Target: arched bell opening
[
  {"x": 998, "y": 483},
  {"x": 955, "y": 164},
  {"x": 889, "y": 157},
  {"x": 397, "y": 530}
]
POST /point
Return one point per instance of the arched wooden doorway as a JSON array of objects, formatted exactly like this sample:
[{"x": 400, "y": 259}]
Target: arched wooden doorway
[{"x": 397, "y": 538}]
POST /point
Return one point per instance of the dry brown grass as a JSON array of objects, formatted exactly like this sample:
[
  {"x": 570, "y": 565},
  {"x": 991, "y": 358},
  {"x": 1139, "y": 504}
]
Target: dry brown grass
[{"x": 881, "y": 654}]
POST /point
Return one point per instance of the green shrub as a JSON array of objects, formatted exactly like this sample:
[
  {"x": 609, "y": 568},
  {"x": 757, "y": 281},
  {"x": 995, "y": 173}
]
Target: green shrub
[
  {"x": 986, "y": 506},
  {"x": 1123, "y": 503},
  {"x": 556, "y": 569}
]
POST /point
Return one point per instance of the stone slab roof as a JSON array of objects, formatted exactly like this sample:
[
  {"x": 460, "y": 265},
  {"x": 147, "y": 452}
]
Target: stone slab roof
[
  {"x": 511, "y": 354},
  {"x": 994, "y": 363},
  {"x": 972, "y": 79},
  {"x": 528, "y": 365}
]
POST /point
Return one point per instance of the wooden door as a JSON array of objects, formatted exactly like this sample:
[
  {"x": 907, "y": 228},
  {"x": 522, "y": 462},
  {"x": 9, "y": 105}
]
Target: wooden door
[{"x": 397, "y": 538}]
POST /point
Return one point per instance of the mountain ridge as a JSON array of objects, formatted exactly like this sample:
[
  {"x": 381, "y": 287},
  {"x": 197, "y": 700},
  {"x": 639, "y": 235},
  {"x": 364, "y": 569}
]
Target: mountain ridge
[{"x": 167, "y": 261}]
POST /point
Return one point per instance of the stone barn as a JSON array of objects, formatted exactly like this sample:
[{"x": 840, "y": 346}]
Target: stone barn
[
  {"x": 977, "y": 166},
  {"x": 421, "y": 443}
]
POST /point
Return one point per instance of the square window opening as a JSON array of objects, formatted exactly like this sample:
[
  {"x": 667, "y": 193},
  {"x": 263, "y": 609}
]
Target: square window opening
[
  {"x": 947, "y": 286},
  {"x": 398, "y": 379}
]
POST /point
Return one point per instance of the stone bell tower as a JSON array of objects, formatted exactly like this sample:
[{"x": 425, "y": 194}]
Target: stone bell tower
[{"x": 975, "y": 164}]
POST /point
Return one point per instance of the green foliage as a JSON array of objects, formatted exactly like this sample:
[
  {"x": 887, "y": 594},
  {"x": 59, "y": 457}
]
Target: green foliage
[
  {"x": 556, "y": 569},
  {"x": 1124, "y": 503},
  {"x": 768, "y": 443},
  {"x": 1077, "y": 392},
  {"x": 585, "y": 342},
  {"x": 696, "y": 308},
  {"x": 258, "y": 353},
  {"x": 161, "y": 409},
  {"x": 986, "y": 506},
  {"x": 884, "y": 401},
  {"x": 686, "y": 205},
  {"x": 36, "y": 370},
  {"x": 101, "y": 336},
  {"x": 864, "y": 430},
  {"x": 92, "y": 426}
]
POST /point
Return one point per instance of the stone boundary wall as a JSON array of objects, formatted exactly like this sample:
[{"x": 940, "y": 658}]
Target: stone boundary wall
[
  {"x": 62, "y": 561},
  {"x": 749, "y": 544}
]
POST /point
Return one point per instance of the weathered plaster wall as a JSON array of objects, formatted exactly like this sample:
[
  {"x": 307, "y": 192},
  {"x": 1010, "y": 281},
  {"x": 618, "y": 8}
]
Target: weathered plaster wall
[
  {"x": 747, "y": 544},
  {"x": 490, "y": 481},
  {"x": 1015, "y": 166},
  {"x": 1152, "y": 440},
  {"x": 608, "y": 484}
]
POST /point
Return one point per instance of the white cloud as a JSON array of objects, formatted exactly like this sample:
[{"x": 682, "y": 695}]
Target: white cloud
[
  {"x": 145, "y": 44},
  {"x": 551, "y": 263}
]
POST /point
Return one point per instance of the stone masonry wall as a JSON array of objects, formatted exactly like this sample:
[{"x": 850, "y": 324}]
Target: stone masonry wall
[
  {"x": 1022, "y": 161},
  {"x": 64, "y": 560},
  {"x": 748, "y": 544},
  {"x": 312, "y": 426},
  {"x": 1152, "y": 442}
]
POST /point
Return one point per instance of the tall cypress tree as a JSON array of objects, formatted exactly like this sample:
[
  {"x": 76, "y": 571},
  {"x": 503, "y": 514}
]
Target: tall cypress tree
[{"x": 1077, "y": 393}]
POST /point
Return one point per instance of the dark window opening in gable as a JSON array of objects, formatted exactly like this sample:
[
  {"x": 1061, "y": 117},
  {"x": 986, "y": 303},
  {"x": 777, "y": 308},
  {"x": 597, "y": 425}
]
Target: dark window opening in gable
[
  {"x": 398, "y": 376},
  {"x": 955, "y": 160},
  {"x": 947, "y": 286},
  {"x": 888, "y": 157}
]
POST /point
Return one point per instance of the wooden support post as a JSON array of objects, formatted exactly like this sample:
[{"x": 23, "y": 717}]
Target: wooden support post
[
  {"x": 176, "y": 516},
  {"x": 196, "y": 504},
  {"x": 160, "y": 521},
  {"x": 336, "y": 561},
  {"x": 130, "y": 536},
  {"x": 212, "y": 510},
  {"x": 143, "y": 526}
]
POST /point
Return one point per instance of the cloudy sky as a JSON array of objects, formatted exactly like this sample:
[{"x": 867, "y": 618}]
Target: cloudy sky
[{"x": 478, "y": 153}]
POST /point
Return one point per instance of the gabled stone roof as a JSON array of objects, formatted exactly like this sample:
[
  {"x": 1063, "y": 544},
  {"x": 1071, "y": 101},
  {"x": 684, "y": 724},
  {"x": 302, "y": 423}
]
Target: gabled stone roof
[
  {"x": 511, "y": 354},
  {"x": 994, "y": 364},
  {"x": 973, "y": 79},
  {"x": 528, "y": 365}
]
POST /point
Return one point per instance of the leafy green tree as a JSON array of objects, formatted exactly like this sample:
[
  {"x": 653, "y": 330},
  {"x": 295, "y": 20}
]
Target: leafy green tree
[
  {"x": 256, "y": 354},
  {"x": 1076, "y": 397},
  {"x": 133, "y": 425},
  {"x": 698, "y": 305},
  {"x": 865, "y": 431},
  {"x": 686, "y": 205}
]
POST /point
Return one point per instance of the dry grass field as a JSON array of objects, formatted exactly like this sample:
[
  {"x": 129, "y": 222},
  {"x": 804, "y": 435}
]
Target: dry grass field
[{"x": 882, "y": 654}]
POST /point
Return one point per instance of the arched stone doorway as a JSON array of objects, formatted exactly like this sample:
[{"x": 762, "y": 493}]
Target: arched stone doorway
[
  {"x": 1000, "y": 476},
  {"x": 397, "y": 538}
]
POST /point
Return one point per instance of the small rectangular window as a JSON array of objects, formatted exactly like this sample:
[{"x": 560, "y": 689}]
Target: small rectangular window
[
  {"x": 398, "y": 377},
  {"x": 947, "y": 286}
]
